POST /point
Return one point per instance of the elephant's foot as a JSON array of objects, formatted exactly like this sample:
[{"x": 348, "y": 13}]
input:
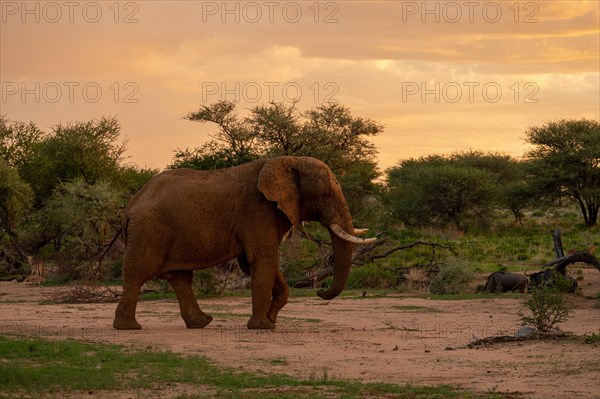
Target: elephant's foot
[
  {"x": 256, "y": 323},
  {"x": 126, "y": 324},
  {"x": 198, "y": 322}
]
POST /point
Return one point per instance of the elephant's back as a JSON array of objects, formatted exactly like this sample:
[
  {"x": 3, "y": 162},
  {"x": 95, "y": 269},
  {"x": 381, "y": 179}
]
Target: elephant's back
[{"x": 194, "y": 192}]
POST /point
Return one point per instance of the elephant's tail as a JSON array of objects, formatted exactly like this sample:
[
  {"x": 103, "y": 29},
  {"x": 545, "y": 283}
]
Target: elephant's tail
[{"x": 105, "y": 251}]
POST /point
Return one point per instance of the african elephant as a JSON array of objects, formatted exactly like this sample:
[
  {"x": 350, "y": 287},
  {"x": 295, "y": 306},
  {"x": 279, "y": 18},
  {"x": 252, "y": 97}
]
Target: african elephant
[
  {"x": 506, "y": 282},
  {"x": 183, "y": 220}
]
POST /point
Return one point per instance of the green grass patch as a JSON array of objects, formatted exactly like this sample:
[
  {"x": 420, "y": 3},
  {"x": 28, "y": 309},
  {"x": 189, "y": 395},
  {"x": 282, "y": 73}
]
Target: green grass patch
[
  {"x": 306, "y": 320},
  {"x": 460, "y": 297},
  {"x": 155, "y": 296},
  {"x": 230, "y": 315},
  {"x": 593, "y": 339},
  {"x": 41, "y": 368},
  {"x": 280, "y": 361},
  {"x": 416, "y": 309}
]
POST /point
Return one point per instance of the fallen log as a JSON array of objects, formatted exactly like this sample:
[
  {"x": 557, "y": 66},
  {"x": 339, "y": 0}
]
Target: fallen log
[
  {"x": 362, "y": 255},
  {"x": 561, "y": 264}
]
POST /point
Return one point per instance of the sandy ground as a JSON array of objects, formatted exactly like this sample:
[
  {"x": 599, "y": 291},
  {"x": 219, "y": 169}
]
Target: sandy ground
[{"x": 399, "y": 339}]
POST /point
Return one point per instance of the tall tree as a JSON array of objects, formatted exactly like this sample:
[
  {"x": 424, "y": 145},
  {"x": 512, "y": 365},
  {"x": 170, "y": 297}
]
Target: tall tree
[
  {"x": 440, "y": 190},
  {"x": 329, "y": 132},
  {"x": 564, "y": 163},
  {"x": 509, "y": 176},
  {"x": 235, "y": 141}
]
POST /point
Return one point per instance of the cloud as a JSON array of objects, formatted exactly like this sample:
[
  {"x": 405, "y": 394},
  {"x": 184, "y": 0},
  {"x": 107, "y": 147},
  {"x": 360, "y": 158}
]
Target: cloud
[{"x": 429, "y": 76}]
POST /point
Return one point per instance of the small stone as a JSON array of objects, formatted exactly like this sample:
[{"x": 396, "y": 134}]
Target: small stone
[
  {"x": 525, "y": 331},
  {"x": 427, "y": 351}
]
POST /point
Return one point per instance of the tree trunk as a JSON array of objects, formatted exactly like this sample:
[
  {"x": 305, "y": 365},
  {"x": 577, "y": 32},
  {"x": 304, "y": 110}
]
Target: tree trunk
[
  {"x": 558, "y": 248},
  {"x": 592, "y": 215}
]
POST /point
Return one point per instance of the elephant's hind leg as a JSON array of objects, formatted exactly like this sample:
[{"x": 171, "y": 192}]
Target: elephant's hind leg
[
  {"x": 181, "y": 281},
  {"x": 280, "y": 296},
  {"x": 125, "y": 313}
]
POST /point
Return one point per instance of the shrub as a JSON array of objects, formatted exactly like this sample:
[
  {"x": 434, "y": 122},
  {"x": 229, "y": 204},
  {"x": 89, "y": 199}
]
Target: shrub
[
  {"x": 371, "y": 276},
  {"x": 592, "y": 339},
  {"x": 415, "y": 280},
  {"x": 206, "y": 282},
  {"x": 548, "y": 307},
  {"x": 452, "y": 278}
]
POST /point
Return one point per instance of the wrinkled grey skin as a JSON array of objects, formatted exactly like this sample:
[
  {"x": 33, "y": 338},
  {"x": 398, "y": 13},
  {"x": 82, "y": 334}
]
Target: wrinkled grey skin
[
  {"x": 506, "y": 282},
  {"x": 548, "y": 277}
]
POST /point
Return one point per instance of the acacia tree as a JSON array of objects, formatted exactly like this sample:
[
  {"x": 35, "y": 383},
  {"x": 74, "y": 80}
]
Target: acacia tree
[
  {"x": 328, "y": 132},
  {"x": 564, "y": 163},
  {"x": 440, "y": 190},
  {"x": 509, "y": 177}
]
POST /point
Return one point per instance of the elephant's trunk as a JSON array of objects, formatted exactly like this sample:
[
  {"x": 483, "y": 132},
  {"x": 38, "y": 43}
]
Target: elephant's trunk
[{"x": 342, "y": 261}]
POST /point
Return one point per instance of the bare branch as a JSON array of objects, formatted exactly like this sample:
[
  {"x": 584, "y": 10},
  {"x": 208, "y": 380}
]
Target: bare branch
[{"x": 433, "y": 245}]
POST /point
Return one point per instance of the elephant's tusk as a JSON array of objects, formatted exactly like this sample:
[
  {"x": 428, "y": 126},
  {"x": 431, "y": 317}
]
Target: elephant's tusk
[
  {"x": 348, "y": 237},
  {"x": 359, "y": 232}
]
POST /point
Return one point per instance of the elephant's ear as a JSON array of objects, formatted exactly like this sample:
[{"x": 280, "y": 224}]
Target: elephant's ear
[{"x": 278, "y": 181}]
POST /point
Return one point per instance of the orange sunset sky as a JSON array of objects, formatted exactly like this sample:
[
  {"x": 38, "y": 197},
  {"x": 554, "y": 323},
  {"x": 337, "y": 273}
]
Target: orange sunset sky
[{"x": 441, "y": 76}]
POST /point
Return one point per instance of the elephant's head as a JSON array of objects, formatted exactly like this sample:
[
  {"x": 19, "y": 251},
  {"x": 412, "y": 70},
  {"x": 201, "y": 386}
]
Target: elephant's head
[{"x": 305, "y": 189}]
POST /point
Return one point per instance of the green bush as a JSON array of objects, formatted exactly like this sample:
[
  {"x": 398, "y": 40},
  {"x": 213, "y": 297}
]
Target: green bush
[
  {"x": 592, "y": 339},
  {"x": 372, "y": 275},
  {"x": 206, "y": 282},
  {"x": 548, "y": 307},
  {"x": 452, "y": 278}
]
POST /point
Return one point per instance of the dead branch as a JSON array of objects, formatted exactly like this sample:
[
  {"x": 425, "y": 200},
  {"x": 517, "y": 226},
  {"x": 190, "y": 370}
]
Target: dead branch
[
  {"x": 310, "y": 281},
  {"x": 362, "y": 255},
  {"x": 84, "y": 294},
  {"x": 561, "y": 264},
  {"x": 433, "y": 245}
]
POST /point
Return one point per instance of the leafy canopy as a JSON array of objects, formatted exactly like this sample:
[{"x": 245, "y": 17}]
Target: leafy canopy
[
  {"x": 441, "y": 190},
  {"x": 329, "y": 132},
  {"x": 564, "y": 163}
]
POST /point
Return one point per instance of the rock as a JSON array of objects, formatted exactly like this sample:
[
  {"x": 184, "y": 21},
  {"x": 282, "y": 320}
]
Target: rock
[{"x": 525, "y": 331}]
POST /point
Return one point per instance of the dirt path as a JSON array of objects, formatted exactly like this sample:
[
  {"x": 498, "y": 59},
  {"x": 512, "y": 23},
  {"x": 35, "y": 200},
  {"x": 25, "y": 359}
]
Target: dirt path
[{"x": 393, "y": 339}]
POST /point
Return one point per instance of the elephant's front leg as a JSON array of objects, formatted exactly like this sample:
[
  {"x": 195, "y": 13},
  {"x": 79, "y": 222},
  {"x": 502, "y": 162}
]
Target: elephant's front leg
[
  {"x": 181, "y": 281},
  {"x": 263, "y": 280},
  {"x": 281, "y": 293}
]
